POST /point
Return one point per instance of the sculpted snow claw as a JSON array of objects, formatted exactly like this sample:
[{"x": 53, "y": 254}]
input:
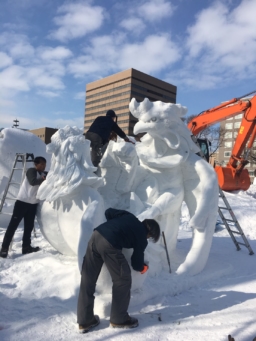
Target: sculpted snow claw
[{"x": 150, "y": 179}]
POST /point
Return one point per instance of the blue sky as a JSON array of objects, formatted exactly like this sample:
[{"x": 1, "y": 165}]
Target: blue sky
[{"x": 49, "y": 50}]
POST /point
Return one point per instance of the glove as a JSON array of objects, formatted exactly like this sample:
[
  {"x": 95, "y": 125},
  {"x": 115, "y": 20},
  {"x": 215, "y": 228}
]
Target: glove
[{"x": 145, "y": 269}]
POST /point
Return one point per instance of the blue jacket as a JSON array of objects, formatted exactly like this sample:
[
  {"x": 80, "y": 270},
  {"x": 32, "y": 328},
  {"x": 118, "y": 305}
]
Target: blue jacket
[
  {"x": 103, "y": 125},
  {"x": 124, "y": 230}
]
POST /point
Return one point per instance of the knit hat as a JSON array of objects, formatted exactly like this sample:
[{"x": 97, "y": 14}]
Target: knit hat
[{"x": 111, "y": 113}]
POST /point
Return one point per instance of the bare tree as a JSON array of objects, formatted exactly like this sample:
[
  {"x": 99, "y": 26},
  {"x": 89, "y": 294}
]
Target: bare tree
[{"x": 214, "y": 134}]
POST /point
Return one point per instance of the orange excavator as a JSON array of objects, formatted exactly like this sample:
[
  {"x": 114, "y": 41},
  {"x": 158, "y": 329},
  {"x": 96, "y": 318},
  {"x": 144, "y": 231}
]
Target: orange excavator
[{"x": 233, "y": 176}]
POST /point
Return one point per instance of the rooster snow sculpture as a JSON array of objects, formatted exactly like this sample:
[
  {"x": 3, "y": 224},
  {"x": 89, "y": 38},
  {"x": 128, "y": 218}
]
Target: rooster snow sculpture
[
  {"x": 72, "y": 206},
  {"x": 167, "y": 153}
]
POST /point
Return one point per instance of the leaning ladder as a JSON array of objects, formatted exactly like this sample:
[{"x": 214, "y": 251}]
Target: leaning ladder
[
  {"x": 234, "y": 222},
  {"x": 20, "y": 157}
]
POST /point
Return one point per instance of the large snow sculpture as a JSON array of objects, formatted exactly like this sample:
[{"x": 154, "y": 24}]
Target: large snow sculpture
[
  {"x": 71, "y": 206},
  {"x": 167, "y": 152},
  {"x": 150, "y": 179}
]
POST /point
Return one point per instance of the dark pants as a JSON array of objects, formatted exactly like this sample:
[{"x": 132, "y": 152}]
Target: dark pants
[
  {"x": 100, "y": 251},
  {"x": 21, "y": 210},
  {"x": 97, "y": 147}
]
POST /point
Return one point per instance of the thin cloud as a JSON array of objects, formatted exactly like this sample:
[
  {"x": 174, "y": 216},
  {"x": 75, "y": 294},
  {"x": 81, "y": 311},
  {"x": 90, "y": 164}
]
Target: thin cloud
[
  {"x": 155, "y": 10},
  {"x": 155, "y": 53},
  {"x": 48, "y": 94},
  {"x": 56, "y": 53},
  {"x": 152, "y": 54},
  {"x": 14, "y": 78},
  {"x": 224, "y": 38},
  {"x": 77, "y": 20},
  {"x": 80, "y": 95},
  {"x": 5, "y": 60},
  {"x": 133, "y": 24}
]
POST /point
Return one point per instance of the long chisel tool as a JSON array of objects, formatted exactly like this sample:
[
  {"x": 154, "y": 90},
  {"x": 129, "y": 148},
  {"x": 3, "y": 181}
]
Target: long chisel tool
[{"x": 167, "y": 254}]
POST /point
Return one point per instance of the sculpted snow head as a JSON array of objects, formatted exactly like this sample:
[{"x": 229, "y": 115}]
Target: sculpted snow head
[{"x": 161, "y": 121}]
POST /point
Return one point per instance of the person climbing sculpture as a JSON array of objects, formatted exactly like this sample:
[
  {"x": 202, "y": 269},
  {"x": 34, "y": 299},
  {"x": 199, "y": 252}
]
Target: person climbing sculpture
[{"x": 99, "y": 134}]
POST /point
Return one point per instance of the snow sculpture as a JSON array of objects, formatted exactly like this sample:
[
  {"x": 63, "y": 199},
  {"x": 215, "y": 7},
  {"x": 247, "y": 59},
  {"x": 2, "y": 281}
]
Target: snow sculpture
[
  {"x": 71, "y": 206},
  {"x": 167, "y": 153},
  {"x": 150, "y": 179},
  {"x": 119, "y": 167}
]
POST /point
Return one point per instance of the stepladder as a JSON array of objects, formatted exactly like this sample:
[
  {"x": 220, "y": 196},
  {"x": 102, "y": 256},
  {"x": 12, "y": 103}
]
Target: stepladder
[
  {"x": 232, "y": 225},
  {"x": 17, "y": 175}
]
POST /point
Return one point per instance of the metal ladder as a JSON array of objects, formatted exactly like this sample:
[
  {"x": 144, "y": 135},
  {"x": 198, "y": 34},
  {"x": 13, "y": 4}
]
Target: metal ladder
[
  {"x": 20, "y": 157},
  {"x": 234, "y": 222}
]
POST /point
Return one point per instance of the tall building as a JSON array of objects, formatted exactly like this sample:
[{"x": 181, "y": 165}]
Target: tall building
[
  {"x": 44, "y": 134},
  {"x": 231, "y": 127},
  {"x": 116, "y": 91}
]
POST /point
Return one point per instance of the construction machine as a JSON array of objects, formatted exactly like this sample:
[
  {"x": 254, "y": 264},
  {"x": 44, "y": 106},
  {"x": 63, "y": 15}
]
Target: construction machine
[{"x": 234, "y": 175}]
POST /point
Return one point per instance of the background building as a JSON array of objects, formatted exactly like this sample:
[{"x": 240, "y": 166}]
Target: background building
[
  {"x": 231, "y": 127},
  {"x": 116, "y": 91},
  {"x": 44, "y": 134}
]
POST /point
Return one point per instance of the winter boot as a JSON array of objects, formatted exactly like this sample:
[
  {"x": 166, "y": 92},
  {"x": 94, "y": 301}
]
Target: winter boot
[
  {"x": 3, "y": 252},
  {"x": 29, "y": 249},
  {"x": 132, "y": 322},
  {"x": 86, "y": 327}
]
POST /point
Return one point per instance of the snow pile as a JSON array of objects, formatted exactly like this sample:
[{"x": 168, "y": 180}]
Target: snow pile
[{"x": 39, "y": 292}]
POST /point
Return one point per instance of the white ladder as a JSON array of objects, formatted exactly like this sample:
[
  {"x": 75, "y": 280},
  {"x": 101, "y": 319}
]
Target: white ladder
[
  {"x": 234, "y": 222},
  {"x": 20, "y": 157},
  {"x": 233, "y": 219}
]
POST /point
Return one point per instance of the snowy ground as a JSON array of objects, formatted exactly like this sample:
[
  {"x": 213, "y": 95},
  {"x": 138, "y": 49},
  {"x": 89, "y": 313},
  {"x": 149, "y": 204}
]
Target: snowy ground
[{"x": 38, "y": 292}]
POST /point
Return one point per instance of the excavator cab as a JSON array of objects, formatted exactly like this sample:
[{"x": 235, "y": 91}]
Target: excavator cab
[{"x": 204, "y": 145}]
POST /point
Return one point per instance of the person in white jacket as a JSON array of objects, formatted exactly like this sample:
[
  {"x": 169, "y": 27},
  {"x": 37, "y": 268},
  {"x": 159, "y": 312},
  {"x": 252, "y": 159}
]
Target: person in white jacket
[{"x": 25, "y": 208}]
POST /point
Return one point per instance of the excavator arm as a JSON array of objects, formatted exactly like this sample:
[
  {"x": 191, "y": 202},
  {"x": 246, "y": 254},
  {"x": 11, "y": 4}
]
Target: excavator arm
[{"x": 233, "y": 176}]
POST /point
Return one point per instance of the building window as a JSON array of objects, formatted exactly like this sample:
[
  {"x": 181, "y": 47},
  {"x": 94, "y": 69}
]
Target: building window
[
  {"x": 108, "y": 104},
  {"x": 230, "y": 118},
  {"x": 228, "y": 144},
  {"x": 229, "y": 125},
  {"x": 228, "y": 135},
  {"x": 227, "y": 154},
  {"x": 238, "y": 116},
  {"x": 237, "y": 124},
  {"x": 235, "y": 134}
]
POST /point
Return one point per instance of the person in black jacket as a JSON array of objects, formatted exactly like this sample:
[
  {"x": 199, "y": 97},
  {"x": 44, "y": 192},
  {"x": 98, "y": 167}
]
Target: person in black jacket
[
  {"x": 99, "y": 133},
  {"x": 122, "y": 230}
]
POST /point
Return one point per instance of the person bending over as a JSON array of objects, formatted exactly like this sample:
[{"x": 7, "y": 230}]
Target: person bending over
[
  {"x": 122, "y": 230},
  {"x": 99, "y": 133},
  {"x": 25, "y": 208}
]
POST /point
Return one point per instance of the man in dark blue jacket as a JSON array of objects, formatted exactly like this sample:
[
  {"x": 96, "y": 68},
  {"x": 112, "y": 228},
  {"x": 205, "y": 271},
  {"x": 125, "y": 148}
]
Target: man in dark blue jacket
[
  {"x": 99, "y": 133},
  {"x": 122, "y": 230}
]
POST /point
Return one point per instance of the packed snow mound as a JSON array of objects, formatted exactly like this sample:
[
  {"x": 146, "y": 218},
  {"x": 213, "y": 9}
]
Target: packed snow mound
[{"x": 251, "y": 191}]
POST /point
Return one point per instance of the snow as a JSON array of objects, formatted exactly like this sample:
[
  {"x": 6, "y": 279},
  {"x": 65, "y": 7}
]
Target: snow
[
  {"x": 38, "y": 300},
  {"x": 38, "y": 292}
]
